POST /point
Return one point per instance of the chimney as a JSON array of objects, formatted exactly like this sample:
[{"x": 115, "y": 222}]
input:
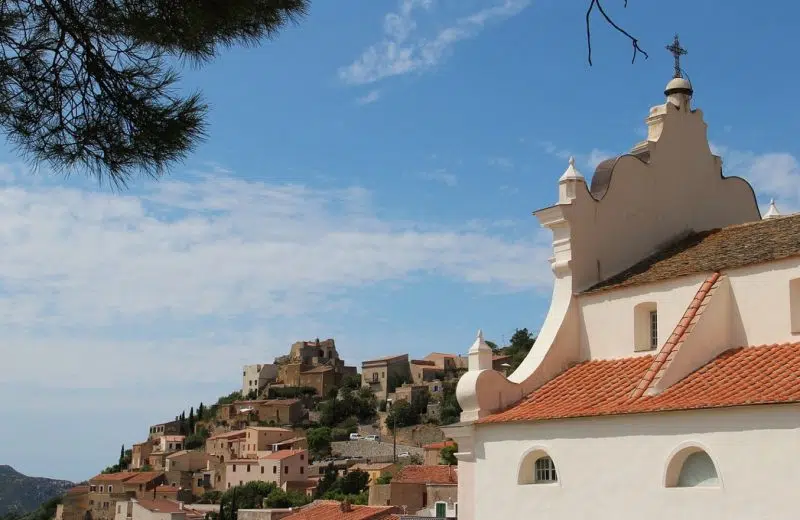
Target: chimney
[{"x": 345, "y": 506}]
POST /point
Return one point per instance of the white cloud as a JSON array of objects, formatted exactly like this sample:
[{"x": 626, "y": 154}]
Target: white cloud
[
  {"x": 402, "y": 50},
  {"x": 441, "y": 175},
  {"x": 370, "y": 97},
  {"x": 504, "y": 163},
  {"x": 588, "y": 161},
  {"x": 100, "y": 290},
  {"x": 772, "y": 174}
]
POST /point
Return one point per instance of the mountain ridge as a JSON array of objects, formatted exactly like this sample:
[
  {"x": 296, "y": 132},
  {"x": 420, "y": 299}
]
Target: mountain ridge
[{"x": 22, "y": 494}]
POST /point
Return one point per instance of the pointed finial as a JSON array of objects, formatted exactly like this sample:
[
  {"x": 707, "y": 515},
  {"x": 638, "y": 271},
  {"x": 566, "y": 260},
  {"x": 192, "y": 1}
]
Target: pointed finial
[
  {"x": 480, "y": 335},
  {"x": 772, "y": 212},
  {"x": 571, "y": 172}
]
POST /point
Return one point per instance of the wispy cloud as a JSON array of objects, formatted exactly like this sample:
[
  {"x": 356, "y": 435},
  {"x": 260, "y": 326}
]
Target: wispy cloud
[
  {"x": 193, "y": 270},
  {"x": 370, "y": 97},
  {"x": 772, "y": 174},
  {"x": 503, "y": 163},
  {"x": 588, "y": 161},
  {"x": 441, "y": 175},
  {"x": 403, "y": 50}
]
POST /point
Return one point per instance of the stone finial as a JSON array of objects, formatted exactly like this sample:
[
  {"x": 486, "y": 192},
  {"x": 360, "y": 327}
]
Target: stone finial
[
  {"x": 772, "y": 212},
  {"x": 480, "y": 354},
  {"x": 571, "y": 173}
]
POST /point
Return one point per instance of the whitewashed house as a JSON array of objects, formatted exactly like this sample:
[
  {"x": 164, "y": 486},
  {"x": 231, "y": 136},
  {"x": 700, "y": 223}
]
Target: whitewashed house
[{"x": 665, "y": 380}]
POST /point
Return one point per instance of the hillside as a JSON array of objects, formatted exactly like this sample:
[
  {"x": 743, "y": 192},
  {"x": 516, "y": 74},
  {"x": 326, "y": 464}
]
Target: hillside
[{"x": 20, "y": 493}]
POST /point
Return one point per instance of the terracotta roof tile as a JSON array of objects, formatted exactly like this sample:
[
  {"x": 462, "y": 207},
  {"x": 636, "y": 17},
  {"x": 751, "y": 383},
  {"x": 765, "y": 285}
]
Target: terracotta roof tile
[
  {"x": 427, "y": 474},
  {"x": 439, "y": 445},
  {"x": 121, "y": 476},
  {"x": 282, "y": 454},
  {"x": 229, "y": 435},
  {"x": 714, "y": 251},
  {"x": 740, "y": 376},
  {"x": 331, "y": 510},
  {"x": 143, "y": 477}
]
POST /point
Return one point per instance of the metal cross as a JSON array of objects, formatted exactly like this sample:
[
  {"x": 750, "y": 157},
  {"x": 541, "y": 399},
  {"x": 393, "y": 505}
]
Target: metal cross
[{"x": 677, "y": 51}]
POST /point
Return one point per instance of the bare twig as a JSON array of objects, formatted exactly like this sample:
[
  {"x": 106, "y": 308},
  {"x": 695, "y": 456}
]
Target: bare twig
[{"x": 634, "y": 41}]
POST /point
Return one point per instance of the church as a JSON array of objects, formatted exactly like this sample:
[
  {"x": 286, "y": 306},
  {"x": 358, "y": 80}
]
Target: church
[{"x": 665, "y": 379}]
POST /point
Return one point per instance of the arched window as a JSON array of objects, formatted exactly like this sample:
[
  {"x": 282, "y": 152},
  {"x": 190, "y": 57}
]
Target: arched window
[
  {"x": 544, "y": 470},
  {"x": 537, "y": 467},
  {"x": 692, "y": 467}
]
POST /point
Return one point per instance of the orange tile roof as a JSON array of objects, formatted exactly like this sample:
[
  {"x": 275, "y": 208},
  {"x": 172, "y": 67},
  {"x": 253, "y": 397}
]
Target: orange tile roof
[
  {"x": 413, "y": 474},
  {"x": 669, "y": 351},
  {"x": 229, "y": 435},
  {"x": 741, "y": 376},
  {"x": 160, "y": 506},
  {"x": 143, "y": 477},
  {"x": 331, "y": 510},
  {"x": 121, "y": 476},
  {"x": 78, "y": 490},
  {"x": 439, "y": 445},
  {"x": 282, "y": 454}
]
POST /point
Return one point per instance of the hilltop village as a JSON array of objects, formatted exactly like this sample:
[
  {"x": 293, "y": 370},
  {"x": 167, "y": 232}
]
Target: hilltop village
[{"x": 305, "y": 427}]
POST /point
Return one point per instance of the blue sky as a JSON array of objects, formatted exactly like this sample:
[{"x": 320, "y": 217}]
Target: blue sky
[{"x": 370, "y": 175}]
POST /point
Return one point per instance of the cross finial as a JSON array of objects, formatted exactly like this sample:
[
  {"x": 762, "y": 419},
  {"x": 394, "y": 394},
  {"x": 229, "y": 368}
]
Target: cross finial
[{"x": 677, "y": 51}]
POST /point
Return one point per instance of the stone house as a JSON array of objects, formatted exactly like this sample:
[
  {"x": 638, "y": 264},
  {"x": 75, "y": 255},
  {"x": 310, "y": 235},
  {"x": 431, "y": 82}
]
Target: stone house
[
  {"x": 408, "y": 393},
  {"x": 105, "y": 490},
  {"x": 278, "y": 467},
  {"x": 418, "y": 488},
  {"x": 256, "y": 377},
  {"x": 169, "y": 443},
  {"x": 189, "y": 461},
  {"x": 226, "y": 446},
  {"x": 423, "y": 371},
  {"x": 382, "y": 375},
  {"x": 140, "y": 484},
  {"x": 259, "y": 439},
  {"x": 279, "y": 411},
  {"x": 167, "y": 428},
  {"x": 432, "y": 456},
  {"x": 664, "y": 379},
  {"x": 140, "y": 453},
  {"x": 75, "y": 503}
]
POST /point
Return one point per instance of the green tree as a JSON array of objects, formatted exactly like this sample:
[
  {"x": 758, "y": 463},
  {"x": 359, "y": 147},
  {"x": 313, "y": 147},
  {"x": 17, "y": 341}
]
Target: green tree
[
  {"x": 328, "y": 480},
  {"x": 201, "y": 412},
  {"x": 400, "y": 415},
  {"x": 352, "y": 382},
  {"x": 451, "y": 410},
  {"x": 319, "y": 440},
  {"x": 447, "y": 455},
  {"x": 92, "y": 83},
  {"x": 354, "y": 482},
  {"x": 191, "y": 420},
  {"x": 520, "y": 344},
  {"x": 384, "y": 479},
  {"x": 197, "y": 439},
  {"x": 121, "y": 463}
]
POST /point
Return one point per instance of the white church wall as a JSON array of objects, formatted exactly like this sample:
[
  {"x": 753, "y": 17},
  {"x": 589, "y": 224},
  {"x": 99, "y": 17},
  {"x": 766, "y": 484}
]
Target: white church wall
[
  {"x": 762, "y": 303},
  {"x": 760, "y": 311},
  {"x": 615, "y": 467},
  {"x": 608, "y": 317}
]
